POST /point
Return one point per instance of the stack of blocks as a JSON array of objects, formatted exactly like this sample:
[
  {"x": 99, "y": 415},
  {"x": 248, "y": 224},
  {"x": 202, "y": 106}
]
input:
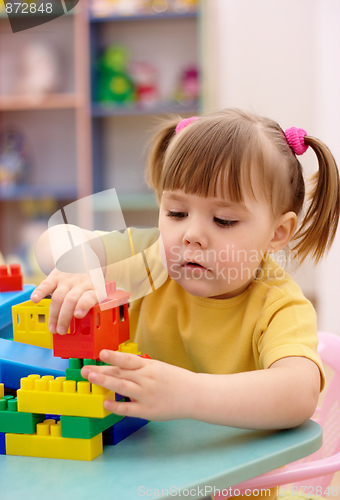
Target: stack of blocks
[
  {"x": 12, "y": 292},
  {"x": 64, "y": 417}
]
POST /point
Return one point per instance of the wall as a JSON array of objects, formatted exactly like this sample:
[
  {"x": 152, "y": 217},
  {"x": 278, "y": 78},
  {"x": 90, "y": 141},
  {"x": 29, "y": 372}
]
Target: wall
[
  {"x": 327, "y": 126},
  {"x": 281, "y": 58}
]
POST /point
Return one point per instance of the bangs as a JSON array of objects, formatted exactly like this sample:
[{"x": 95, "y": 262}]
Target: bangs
[{"x": 215, "y": 157}]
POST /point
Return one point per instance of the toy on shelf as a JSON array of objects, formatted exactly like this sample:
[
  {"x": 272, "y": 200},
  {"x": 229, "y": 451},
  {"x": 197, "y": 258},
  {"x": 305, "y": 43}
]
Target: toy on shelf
[
  {"x": 39, "y": 70},
  {"x": 114, "y": 82},
  {"x": 159, "y": 5},
  {"x": 188, "y": 87},
  {"x": 144, "y": 76},
  {"x": 10, "y": 280},
  {"x": 102, "y": 8},
  {"x": 183, "y": 5},
  {"x": 62, "y": 416},
  {"x": 14, "y": 159}
]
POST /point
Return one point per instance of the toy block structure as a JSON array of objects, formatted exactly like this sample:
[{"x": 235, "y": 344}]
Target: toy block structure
[
  {"x": 86, "y": 428},
  {"x": 130, "y": 347},
  {"x": 47, "y": 442},
  {"x": 19, "y": 360},
  {"x": 13, "y": 421},
  {"x": 101, "y": 328},
  {"x": 2, "y": 443},
  {"x": 62, "y": 397},
  {"x": 123, "y": 429},
  {"x": 7, "y": 301},
  {"x": 57, "y": 413},
  {"x": 30, "y": 323},
  {"x": 10, "y": 279}
]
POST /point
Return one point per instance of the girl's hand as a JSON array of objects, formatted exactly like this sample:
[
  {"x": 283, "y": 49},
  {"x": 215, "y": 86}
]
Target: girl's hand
[
  {"x": 157, "y": 390},
  {"x": 72, "y": 295}
]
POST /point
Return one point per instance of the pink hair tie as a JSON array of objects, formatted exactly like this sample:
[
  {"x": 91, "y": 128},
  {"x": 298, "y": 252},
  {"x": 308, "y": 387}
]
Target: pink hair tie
[
  {"x": 296, "y": 140},
  {"x": 184, "y": 123}
]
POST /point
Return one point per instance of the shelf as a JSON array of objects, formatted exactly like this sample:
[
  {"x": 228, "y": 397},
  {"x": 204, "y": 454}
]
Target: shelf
[
  {"x": 14, "y": 193},
  {"x": 143, "y": 17},
  {"x": 162, "y": 108},
  {"x": 27, "y": 102},
  {"x": 127, "y": 201}
]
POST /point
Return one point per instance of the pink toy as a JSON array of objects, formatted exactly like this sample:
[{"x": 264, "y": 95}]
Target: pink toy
[
  {"x": 188, "y": 86},
  {"x": 296, "y": 139},
  {"x": 315, "y": 470}
]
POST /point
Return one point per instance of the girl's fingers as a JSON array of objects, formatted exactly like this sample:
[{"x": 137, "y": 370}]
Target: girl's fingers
[
  {"x": 87, "y": 300},
  {"x": 69, "y": 306},
  {"x": 112, "y": 371},
  {"x": 121, "y": 386},
  {"x": 55, "y": 307},
  {"x": 45, "y": 288},
  {"x": 122, "y": 359},
  {"x": 129, "y": 409}
]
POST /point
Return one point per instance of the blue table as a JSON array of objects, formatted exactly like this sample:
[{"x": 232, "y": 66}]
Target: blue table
[{"x": 161, "y": 457}]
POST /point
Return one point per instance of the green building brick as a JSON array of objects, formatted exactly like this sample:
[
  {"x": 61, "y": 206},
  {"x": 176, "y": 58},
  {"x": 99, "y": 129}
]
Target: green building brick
[
  {"x": 75, "y": 365},
  {"x": 85, "y": 427},
  {"x": 16, "y": 422}
]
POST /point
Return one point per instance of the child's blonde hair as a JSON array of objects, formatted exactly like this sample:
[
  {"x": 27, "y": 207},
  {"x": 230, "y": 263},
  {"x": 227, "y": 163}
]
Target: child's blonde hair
[{"x": 224, "y": 149}]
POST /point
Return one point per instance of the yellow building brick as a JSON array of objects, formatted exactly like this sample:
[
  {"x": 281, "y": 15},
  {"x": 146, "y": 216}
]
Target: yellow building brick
[
  {"x": 30, "y": 323},
  {"x": 130, "y": 347},
  {"x": 59, "y": 396},
  {"x": 48, "y": 443}
]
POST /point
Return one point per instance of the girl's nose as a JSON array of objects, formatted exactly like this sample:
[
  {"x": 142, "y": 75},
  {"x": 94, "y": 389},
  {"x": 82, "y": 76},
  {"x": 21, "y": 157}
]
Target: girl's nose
[{"x": 195, "y": 235}]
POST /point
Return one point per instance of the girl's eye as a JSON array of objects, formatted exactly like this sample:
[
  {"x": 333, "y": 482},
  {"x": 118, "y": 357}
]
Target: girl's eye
[
  {"x": 225, "y": 223},
  {"x": 176, "y": 215}
]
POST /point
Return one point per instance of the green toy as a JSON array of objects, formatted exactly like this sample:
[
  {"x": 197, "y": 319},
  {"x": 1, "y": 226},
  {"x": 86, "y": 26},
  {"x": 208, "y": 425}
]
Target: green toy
[{"x": 114, "y": 83}]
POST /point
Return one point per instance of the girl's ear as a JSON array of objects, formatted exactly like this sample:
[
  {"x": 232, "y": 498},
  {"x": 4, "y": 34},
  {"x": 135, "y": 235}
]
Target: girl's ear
[{"x": 284, "y": 231}]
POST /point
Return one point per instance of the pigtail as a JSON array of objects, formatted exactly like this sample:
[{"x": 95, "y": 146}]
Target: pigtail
[
  {"x": 159, "y": 144},
  {"x": 318, "y": 228}
]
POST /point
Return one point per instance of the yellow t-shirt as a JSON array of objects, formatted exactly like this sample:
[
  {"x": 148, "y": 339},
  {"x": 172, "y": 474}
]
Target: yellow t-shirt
[{"x": 270, "y": 320}]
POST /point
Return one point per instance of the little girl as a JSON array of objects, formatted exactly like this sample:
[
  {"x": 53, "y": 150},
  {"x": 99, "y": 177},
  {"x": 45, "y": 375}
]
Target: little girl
[{"x": 232, "y": 338}]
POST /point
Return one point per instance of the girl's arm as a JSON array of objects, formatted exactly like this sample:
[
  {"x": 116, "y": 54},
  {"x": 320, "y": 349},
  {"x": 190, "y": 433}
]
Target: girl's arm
[
  {"x": 283, "y": 396},
  {"x": 72, "y": 292}
]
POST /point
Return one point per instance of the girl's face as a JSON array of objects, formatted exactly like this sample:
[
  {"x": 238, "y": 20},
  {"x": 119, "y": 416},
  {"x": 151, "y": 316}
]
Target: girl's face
[{"x": 214, "y": 247}]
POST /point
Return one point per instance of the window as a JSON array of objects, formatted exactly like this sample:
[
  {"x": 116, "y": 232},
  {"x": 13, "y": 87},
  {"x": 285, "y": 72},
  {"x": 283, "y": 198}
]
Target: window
[{"x": 121, "y": 313}]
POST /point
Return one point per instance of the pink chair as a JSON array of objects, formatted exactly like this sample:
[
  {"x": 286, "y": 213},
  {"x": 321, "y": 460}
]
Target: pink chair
[{"x": 315, "y": 470}]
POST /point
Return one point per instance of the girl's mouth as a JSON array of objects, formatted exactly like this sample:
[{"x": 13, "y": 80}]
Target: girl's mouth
[{"x": 193, "y": 265}]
